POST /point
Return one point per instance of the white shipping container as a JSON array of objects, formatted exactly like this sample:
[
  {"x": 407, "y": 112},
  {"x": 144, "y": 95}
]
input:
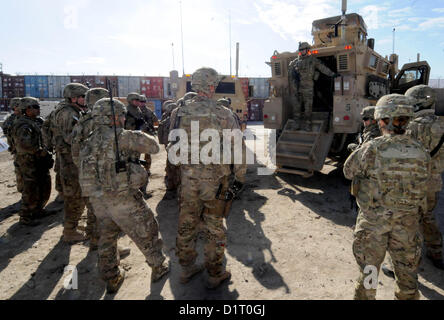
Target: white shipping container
[
  {"x": 128, "y": 84},
  {"x": 56, "y": 84},
  {"x": 1, "y": 88}
]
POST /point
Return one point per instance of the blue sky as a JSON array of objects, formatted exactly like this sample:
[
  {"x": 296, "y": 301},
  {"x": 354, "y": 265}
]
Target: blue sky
[{"x": 134, "y": 37}]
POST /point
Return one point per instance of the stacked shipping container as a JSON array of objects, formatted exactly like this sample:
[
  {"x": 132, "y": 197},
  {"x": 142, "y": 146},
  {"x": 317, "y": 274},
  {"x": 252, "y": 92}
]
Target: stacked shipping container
[
  {"x": 244, "y": 84},
  {"x": 36, "y": 86},
  {"x": 127, "y": 85},
  {"x": 13, "y": 86},
  {"x": 56, "y": 84},
  {"x": 152, "y": 87}
]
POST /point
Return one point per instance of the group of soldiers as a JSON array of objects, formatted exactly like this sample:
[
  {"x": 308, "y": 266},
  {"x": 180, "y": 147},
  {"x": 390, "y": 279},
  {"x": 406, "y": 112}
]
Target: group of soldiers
[
  {"x": 396, "y": 177},
  {"x": 98, "y": 143}
]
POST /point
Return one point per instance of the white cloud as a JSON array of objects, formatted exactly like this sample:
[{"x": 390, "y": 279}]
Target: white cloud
[
  {"x": 439, "y": 10},
  {"x": 293, "y": 19},
  {"x": 407, "y": 11},
  {"x": 371, "y": 15},
  {"x": 432, "y": 23}
]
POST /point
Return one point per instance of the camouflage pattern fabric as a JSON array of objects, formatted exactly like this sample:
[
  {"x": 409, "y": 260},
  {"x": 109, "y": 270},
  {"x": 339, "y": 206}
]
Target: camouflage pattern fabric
[
  {"x": 150, "y": 119},
  {"x": 303, "y": 72},
  {"x": 393, "y": 172},
  {"x": 6, "y": 127},
  {"x": 32, "y": 166},
  {"x": 66, "y": 117},
  {"x": 118, "y": 205},
  {"x": 134, "y": 118},
  {"x": 199, "y": 187},
  {"x": 428, "y": 128},
  {"x": 369, "y": 133}
]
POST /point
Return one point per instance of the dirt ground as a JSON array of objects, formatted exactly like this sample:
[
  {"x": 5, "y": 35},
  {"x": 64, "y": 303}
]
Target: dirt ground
[{"x": 288, "y": 238}]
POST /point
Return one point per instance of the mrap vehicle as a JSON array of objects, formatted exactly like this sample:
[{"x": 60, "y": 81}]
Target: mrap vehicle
[{"x": 364, "y": 76}]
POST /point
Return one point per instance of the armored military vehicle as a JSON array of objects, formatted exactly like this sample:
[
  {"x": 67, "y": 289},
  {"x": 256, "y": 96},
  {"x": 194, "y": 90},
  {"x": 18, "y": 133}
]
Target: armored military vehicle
[{"x": 364, "y": 76}]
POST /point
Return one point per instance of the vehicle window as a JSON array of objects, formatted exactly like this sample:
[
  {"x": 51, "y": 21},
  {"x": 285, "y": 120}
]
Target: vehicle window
[
  {"x": 226, "y": 87},
  {"x": 373, "y": 61},
  {"x": 409, "y": 76}
]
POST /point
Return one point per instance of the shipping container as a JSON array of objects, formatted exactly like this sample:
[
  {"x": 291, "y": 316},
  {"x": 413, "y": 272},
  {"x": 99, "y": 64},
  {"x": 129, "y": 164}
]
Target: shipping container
[
  {"x": 256, "y": 109},
  {"x": 88, "y": 81},
  {"x": 114, "y": 84},
  {"x": 4, "y": 104},
  {"x": 260, "y": 88},
  {"x": 244, "y": 84},
  {"x": 152, "y": 87},
  {"x": 1, "y": 88},
  {"x": 156, "y": 106},
  {"x": 36, "y": 86},
  {"x": 167, "y": 93},
  {"x": 128, "y": 84},
  {"x": 13, "y": 86},
  {"x": 56, "y": 85}
]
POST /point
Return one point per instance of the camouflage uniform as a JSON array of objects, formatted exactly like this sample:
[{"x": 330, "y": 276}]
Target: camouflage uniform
[
  {"x": 370, "y": 132},
  {"x": 117, "y": 202},
  {"x": 48, "y": 130},
  {"x": 200, "y": 183},
  {"x": 66, "y": 116},
  {"x": 226, "y": 103},
  {"x": 428, "y": 128},
  {"x": 392, "y": 171},
  {"x": 6, "y": 127},
  {"x": 303, "y": 73},
  {"x": 80, "y": 133},
  {"x": 33, "y": 163}
]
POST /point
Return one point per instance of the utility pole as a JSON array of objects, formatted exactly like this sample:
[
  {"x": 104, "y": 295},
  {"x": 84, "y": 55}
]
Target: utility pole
[
  {"x": 393, "y": 51},
  {"x": 172, "y": 49},
  {"x": 181, "y": 33},
  {"x": 229, "y": 25}
]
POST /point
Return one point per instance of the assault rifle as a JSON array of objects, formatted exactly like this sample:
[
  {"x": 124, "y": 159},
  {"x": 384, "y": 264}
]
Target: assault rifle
[{"x": 120, "y": 165}]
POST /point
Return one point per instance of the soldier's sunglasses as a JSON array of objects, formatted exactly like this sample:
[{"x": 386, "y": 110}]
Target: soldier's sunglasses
[
  {"x": 366, "y": 119},
  {"x": 35, "y": 106}
]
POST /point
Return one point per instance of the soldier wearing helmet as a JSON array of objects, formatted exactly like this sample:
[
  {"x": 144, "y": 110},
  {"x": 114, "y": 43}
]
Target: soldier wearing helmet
[
  {"x": 390, "y": 176},
  {"x": 80, "y": 133},
  {"x": 33, "y": 162},
  {"x": 111, "y": 179},
  {"x": 66, "y": 117},
  {"x": 371, "y": 128},
  {"x": 203, "y": 184},
  {"x": 303, "y": 71}
]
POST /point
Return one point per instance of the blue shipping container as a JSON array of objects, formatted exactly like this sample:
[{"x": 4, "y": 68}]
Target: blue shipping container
[
  {"x": 157, "y": 106},
  {"x": 36, "y": 86}
]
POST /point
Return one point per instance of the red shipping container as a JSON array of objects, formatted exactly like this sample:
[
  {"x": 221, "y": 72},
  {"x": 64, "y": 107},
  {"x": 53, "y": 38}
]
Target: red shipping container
[
  {"x": 13, "y": 86},
  {"x": 151, "y": 87}
]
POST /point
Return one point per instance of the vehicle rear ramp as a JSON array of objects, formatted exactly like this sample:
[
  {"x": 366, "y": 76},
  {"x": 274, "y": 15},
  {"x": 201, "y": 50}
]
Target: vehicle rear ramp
[{"x": 303, "y": 152}]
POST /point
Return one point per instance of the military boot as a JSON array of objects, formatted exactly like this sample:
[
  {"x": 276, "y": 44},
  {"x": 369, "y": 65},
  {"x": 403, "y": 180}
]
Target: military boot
[
  {"x": 113, "y": 285},
  {"x": 45, "y": 213},
  {"x": 124, "y": 252},
  {"x": 214, "y": 282},
  {"x": 158, "y": 272},
  {"x": 388, "y": 270},
  {"x": 29, "y": 222},
  {"x": 189, "y": 272},
  {"x": 72, "y": 236},
  {"x": 59, "y": 198}
]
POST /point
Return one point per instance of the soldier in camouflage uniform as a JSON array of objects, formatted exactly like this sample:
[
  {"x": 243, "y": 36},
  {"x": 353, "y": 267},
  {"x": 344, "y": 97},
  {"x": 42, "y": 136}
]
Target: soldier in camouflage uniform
[
  {"x": 427, "y": 128},
  {"x": 227, "y": 104},
  {"x": 80, "y": 133},
  {"x": 392, "y": 172},
  {"x": 48, "y": 136},
  {"x": 33, "y": 162},
  {"x": 66, "y": 117},
  {"x": 371, "y": 128},
  {"x": 111, "y": 180},
  {"x": 6, "y": 127},
  {"x": 303, "y": 71},
  {"x": 150, "y": 120},
  {"x": 135, "y": 120},
  {"x": 203, "y": 185}
]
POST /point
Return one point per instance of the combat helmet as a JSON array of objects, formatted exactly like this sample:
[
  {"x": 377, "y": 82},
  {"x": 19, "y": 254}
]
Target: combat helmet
[
  {"x": 203, "y": 78},
  {"x": 74, "y": 90},
  {"x": 224, "y": 102},
  {"x": 27, "y": 102},
  {"x": 133, "y": 96},
  {"x": 189, "y": 96},
  {"x": 142, "y": 98},
  {"x": 94, "y": 95},
  {"x": 394, "y": 105},
  {"x": 102, "y": 110},
  {"x": 166, "y": 104},
  {"x": 15, "y": 103},
  {"x": 423, "y": 95},
  {"x": 368, "y": 112},
  {"x": 304, "y": 46}
]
